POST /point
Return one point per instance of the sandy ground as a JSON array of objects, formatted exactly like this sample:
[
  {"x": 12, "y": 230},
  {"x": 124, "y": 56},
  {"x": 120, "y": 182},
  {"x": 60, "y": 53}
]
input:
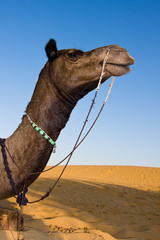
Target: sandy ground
[{"x": 93, "y": 203}]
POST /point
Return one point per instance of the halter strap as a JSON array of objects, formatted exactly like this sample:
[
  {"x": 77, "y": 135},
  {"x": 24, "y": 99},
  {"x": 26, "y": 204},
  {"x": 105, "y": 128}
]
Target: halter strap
[{"x": 41, "y": 132}]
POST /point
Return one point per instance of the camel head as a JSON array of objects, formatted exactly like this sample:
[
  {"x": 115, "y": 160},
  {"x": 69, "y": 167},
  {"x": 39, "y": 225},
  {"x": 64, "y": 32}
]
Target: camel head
[{"x": 74, "y": 73}]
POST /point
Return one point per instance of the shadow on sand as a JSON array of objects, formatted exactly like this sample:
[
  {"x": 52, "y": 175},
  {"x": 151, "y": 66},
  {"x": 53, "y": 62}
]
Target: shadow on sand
[{"x": 106, "y": 207}]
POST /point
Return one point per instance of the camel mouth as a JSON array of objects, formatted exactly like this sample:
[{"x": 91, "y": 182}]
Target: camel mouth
[
  {"x": 112, "y": 70},
  {"x": 116, "y": 69},
  {"x": 120, "y": 67}
]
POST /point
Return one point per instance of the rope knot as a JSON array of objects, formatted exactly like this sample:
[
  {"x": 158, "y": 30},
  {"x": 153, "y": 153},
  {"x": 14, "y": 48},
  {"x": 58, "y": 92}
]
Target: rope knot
[{"x": 21, "y": 199}]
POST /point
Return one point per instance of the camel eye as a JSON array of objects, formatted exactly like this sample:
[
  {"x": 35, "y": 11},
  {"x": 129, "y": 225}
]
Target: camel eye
[{"x": 74, "y": 55}]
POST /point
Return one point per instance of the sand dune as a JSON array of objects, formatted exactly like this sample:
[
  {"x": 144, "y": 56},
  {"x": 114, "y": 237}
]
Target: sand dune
[{"x": 93, "y": 203}]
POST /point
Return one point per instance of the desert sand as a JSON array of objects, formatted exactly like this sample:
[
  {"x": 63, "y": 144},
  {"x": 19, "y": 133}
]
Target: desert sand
[{"x": 93, "y": 203}]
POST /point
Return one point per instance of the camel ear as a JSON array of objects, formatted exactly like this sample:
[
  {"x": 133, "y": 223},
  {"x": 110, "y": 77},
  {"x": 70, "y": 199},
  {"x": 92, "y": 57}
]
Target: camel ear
[{"x": 51, "y": 49}]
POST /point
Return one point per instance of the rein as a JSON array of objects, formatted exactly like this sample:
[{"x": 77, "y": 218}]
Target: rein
[{"x": 21, "y": 198}]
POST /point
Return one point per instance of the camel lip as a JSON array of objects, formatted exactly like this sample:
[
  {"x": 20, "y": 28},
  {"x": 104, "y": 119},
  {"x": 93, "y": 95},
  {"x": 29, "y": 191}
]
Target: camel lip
[
  {"x": 121, "y": 64},
  {"x": 118, "y": 65},
  {"x": 107, "y": 73},
  {"x": 129, "y": 62},
  {"x": 121, "y": 70}
]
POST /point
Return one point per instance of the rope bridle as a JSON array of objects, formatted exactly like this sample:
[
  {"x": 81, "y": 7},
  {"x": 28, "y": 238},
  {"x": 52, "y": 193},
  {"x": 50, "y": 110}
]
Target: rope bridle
[{"x": 21, "y": 198}]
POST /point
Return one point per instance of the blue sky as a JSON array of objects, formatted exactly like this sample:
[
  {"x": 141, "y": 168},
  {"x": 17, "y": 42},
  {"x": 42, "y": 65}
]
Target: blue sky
[{"x": 128, "y": 131}]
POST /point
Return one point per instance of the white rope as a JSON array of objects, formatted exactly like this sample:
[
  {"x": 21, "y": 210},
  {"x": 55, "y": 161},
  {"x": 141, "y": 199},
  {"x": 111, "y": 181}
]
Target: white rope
[
  {"x": 110, "y": 86},
  {"x": 104, "y": 63}
]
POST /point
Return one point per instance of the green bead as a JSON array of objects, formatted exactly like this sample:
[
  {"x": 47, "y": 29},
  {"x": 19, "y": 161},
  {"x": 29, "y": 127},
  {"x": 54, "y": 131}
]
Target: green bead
[
  {"x": 34, "y": 125},
  {"x": 41, "y": 132},
  {"x": 46, "y": 136},
  {"x": 37, "y": 128},
  {"x": 51, "y": 141}
]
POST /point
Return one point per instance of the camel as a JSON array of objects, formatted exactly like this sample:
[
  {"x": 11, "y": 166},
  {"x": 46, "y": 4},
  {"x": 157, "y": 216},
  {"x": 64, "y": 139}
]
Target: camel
[{"x": 68, "y": 76}]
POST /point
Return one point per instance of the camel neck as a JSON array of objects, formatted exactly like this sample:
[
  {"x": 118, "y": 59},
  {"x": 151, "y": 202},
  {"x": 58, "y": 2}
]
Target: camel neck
[
  {"x": 46, "y": 108},
  {"x": 29, "y": 150}
]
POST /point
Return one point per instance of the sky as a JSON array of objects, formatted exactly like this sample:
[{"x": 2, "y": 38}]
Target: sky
[{"x": 128, "y": 131}]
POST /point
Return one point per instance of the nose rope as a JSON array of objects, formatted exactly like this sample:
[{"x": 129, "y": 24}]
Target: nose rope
[
  {"x": 104, "y": 63},
  {"x": 110, "y": 86}
]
